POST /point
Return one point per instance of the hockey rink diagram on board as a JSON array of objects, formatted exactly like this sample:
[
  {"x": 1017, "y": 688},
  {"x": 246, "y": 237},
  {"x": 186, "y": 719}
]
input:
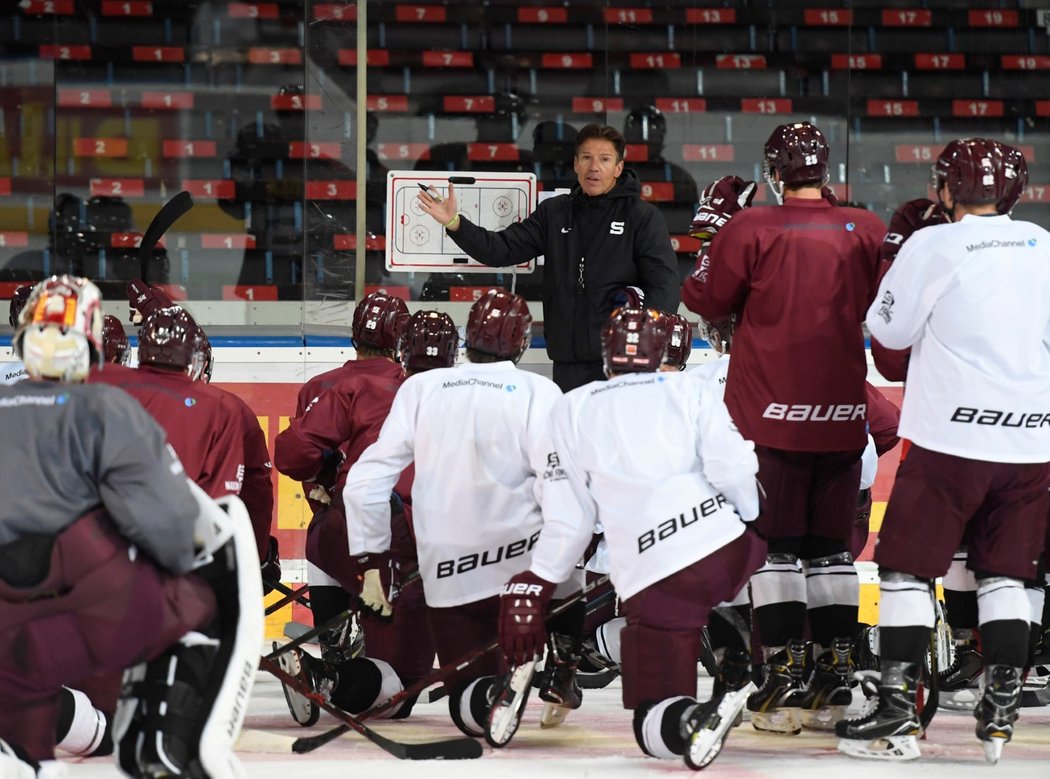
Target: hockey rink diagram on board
[{"x": 416, "y": 242}]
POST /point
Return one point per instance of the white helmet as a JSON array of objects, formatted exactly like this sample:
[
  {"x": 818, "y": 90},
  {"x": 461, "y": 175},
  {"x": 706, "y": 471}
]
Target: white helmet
[{"x": 60, "y": 329}]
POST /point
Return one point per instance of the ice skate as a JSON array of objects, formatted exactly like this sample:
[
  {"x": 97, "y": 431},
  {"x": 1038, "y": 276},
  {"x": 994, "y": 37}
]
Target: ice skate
[
  {"x": 828, "y": 693},
  {"x": 509, "y": 695},
  {"x": 774, "y": 706},
  {"x": 310, "y": 671},
  {"x": 960, "y": 682},
  {"x": 557, "y": 682},
  {"x": 997, "y": 710},
  {"x": 707, "y": 726},
  {"x": 889, "y": 727},
  {"x": 1036, "y": 689}
]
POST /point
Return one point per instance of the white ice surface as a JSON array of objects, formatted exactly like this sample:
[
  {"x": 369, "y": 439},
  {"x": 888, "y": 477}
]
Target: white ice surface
[{"x": 596, "y": 742}]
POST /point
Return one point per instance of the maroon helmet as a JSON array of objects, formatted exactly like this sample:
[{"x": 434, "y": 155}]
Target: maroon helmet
[
  {"x": 430, "y": 340},
  {"x": 799, "y": 153},
  {"x": 635, "y": 340},
  {"x": 18, "y": 302},
  {"x": 979, "y": 171},
  {"x": 679, "y": 341},
  {"x": 115, "y": 341},
  {"x": 169, "y": 337},
  {"x": 719, "y": 332},
  {"x": 378, "y": 320},
  {"x": 499, "y": 324}
]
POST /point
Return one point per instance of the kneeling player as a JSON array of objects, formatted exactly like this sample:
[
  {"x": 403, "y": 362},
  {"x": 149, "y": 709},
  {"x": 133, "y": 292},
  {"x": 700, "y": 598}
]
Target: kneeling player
[
  {"x": 105, "y": 523},
  {"x": 673, "y": 506}
]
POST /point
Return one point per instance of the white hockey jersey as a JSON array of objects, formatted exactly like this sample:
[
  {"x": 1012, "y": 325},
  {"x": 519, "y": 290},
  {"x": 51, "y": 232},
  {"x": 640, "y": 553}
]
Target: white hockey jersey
[
  {"x": 479, "y": 436},
  {"x": 12, "y": 372},
  {"x": 657, "y": 461},
  {"x": 972, "y": 299}
]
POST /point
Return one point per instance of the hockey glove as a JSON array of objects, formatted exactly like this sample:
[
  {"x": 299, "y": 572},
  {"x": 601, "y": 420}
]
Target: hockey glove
[
  {"x": 271, "y": 566},
  {"x": 330, "y": 464},
  {"x": 718, "y": 202},
  {"x": 145, "y": 299},
  {"x": 911, "y": 216},
  {"x": 380, "y": 579},
  {"x": 522, "y": 613}
]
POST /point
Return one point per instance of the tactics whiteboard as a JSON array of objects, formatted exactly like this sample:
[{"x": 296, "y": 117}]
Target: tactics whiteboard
[{"x": 416, "y": 242}]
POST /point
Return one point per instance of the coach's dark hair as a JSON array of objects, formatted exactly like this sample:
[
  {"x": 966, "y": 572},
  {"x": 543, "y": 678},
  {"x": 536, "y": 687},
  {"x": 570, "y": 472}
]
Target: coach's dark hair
[{"x": 605, "y": 133}]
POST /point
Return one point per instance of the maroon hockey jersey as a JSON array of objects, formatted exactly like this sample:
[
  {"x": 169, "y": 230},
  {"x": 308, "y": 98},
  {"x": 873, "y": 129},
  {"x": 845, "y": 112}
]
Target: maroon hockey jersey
[
  {"x": 290, "y": 454},
  {"x": 348, "y": 417},
  {"x": 215, "y": 435},
  {"x": 800, "y": 277}
]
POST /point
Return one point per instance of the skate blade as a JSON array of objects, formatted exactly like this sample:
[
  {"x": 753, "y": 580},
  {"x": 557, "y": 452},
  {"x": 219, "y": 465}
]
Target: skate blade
[
  {"x": 896, "y": 748},
  {"x": 507, "y": 710},
  {"x": 782, "y": 721},
  {"x": 553, "y": 715},
  {"x": 993, "y": 749},
  {"x": 304, "y": 711},
  {"x": 706, "y": 742},
  {"x": 823, "y": 718}
]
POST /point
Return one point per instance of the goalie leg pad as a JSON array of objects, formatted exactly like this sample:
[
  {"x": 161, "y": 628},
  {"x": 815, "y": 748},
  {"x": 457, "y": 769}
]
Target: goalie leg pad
[{"x": 187, "y": 706}]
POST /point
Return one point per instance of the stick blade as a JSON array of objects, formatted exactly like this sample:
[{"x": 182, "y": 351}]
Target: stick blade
[{"x": 168, "y": 215}]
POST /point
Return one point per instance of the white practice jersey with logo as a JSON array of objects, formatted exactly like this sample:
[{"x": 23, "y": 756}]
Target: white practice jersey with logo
[
  {"x": 479, "y": 437},
  {"x": 657, "y": 461},
  {"x": 972, "y": 299}
]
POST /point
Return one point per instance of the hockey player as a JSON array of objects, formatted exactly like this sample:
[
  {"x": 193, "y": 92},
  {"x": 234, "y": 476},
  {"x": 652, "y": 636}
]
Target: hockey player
[
  {"x": 105, "y": 522},
  {"x": 206, "y": 427},
  {"x": 978, "y": 463},
  {"x": 478, "y": 437},
  {"x": 347, "y": 417},
  {"x": 374, "y": 331},
  {"x": 805, "y": 410},
  {"x": 673, "y": 510},
  {"x": 15, "y": 371}
]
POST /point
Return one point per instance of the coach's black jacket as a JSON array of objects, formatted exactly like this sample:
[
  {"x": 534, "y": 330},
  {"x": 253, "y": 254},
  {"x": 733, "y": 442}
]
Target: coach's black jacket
[{"x": 593, "y": 248}]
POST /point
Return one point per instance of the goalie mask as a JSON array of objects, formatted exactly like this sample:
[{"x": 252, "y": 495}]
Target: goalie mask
[
  {"x": 60, "y": 335},
  {"x": 169, "y": 337},
  {"x": 430, "y": 340},
  {"x": 679, "y": 341},
  {"x": 499, "y": 324},
  {"x": 378, "y": 321},
  {"x": 799, "y": 154},
  {"x": 634, "y": 340},
  {"x": 980, "y": 171},
  {"x": 115, "y": 346}
]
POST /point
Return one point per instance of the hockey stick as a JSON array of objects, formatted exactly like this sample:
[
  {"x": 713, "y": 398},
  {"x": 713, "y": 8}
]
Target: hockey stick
[
  {"x": 290, "y": 595},
  {"x": 168, "y": 215},
  {"x": 932, "y": 685},
  {"x": 310, "y": 743},
  {"x": 462, "y": 748}
]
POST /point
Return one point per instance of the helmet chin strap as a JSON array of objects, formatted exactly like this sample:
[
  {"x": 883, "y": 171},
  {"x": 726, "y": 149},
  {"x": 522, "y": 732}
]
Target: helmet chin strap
[{"x": 776, "y": 188}]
